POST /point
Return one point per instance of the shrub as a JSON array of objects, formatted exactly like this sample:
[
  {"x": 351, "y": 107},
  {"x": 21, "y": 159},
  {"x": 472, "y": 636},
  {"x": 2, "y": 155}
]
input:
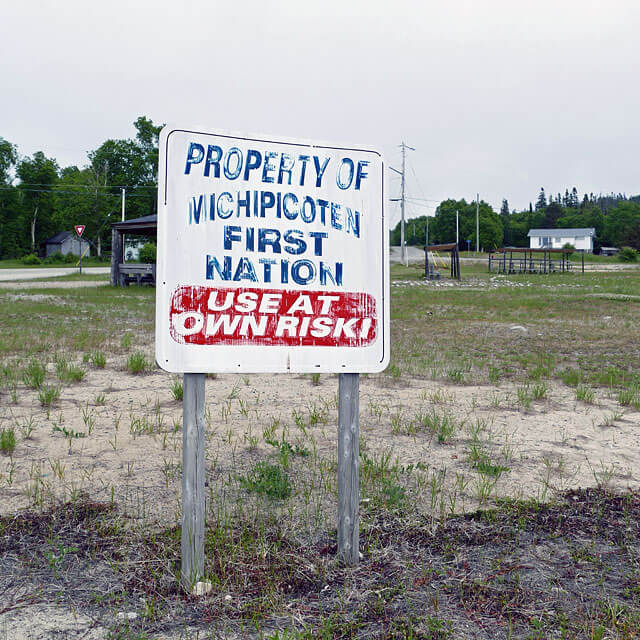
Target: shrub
[
  {"x": 148, "y": 253},
  {"x": 70, "y": 257},
  {"x": 32, "y": 258},
  {"x": 628, "y": 254}
]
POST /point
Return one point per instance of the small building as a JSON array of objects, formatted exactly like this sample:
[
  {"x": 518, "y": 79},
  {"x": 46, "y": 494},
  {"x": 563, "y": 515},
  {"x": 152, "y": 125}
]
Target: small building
[
  {"x": 580, "y": 239},
  {"x": 66, "y": 242}
]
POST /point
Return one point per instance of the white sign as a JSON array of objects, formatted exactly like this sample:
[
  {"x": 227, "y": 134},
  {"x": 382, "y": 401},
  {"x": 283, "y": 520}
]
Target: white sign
[{"x": 272, "y": 255}]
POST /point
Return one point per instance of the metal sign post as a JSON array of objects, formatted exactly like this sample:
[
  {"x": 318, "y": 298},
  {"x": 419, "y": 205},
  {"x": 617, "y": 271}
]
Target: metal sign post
[
  {"x": 80, "y": 230},
  {"x": 273, "y": 256}
]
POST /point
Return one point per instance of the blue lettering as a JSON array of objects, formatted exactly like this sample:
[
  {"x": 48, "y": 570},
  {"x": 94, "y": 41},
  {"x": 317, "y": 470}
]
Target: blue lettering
[
  {"x": 194, "y": 156},
  {"x": 222, "y": 212},
  {"x": 296, "y": 274},
  {"x": 268, "y": 166},
  {"x": 234, "y": 152},
  {"x": 267, "y": 200},
  {"x": 231, "y": 234},
  {"x": 267, "y": 262},
  {"x": 245, "y": 271},
  {"x": 254, "y": 160},
  {"x": 246, "y": 203},
  {"x": 317, "y": 245},
  {"x": 291, "y": 215},
  {"x": 269, "y": 237},
  {"x": 326, "y": 271},
  {"x": 286, "y": 165},
  {"x": 320, "y": 169},
  {"x": 308, "y": 210},
  {"x": 212, "y": 263},
  {"x": 303, "y": 168},
  {"x": 336, "y": 221},
  {"x": 294, "y": 236},
  {"x": 361, "y": 173},
  {"x": 211, "y": 160},
  {"x": 353, "y": 222},
  {"x": 348, "y": 162}
]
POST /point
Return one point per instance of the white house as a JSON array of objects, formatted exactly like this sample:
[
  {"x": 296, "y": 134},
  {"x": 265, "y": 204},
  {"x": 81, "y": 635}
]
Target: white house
[{"x": 581, "y": 239}]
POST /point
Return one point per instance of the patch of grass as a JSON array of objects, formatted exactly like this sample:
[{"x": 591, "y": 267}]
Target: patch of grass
[
  {"x": 572, "y": 377},
  {"x": 629, "y": 396},
  {"x": 442, "y": 425},
  {"x": 34, "y": 374},
  {"x": 267, "y": 479},
  {"x": 177, "y": 389},
  {"x": 98, "y": 359},
  {"x": 69, "y": 373},
  {"x": 7, "y": 441},
  {"x": 585, "y": 394},
  {"x": 137, "y": 363},
  {"x": 48, "y": 395},
  {"x": 125, "y": 341}
]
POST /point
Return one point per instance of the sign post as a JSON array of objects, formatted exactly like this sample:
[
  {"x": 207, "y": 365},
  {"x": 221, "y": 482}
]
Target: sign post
[
  {"x": 79, "y": 231},
  {"x": 272, "y": 257}
]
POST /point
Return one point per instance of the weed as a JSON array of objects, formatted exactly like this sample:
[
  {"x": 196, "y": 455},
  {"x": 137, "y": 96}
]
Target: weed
[
  {"x": 315, "y": 379},
  {"x": 456, "y": 376},
  {"x": 628, "y": 396},
  {"x": 48, "y": 395},
  {"x": 270, "y": 480},
  {"x": 100, "y": 399},
  {"x": 524, "y": 397},
  {"x": 584, "y": 394},
  {"x": 98, "y": 359},
  {"x": 539, "y": 391},
  {"x": 176, "y": 389},
  {"x": 34, "y": 374},
  {"x": 137, "y": 363},
  {"x": 27, "y": 428},
  {"x": 69, "y": 373},
  {"x": 125, "y": 341},
  {"x": 7, "y": 441}
]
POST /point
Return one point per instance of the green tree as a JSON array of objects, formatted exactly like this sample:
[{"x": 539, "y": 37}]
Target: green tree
[
  {"x": 10, "y": 209},
  {"x": 38, "y": 175}
]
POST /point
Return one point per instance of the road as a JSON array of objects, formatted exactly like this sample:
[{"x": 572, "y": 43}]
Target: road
[{"x": 32, "y": 274}]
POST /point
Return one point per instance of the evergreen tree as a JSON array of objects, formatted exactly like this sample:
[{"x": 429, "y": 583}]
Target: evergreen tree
[{"x": 542, "y": 200}]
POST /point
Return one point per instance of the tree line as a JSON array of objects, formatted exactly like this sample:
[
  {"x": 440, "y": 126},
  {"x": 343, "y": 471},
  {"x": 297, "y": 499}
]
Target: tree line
[
  {"x": 38, "y": 198},
  {"x": 615, "y": 217}
]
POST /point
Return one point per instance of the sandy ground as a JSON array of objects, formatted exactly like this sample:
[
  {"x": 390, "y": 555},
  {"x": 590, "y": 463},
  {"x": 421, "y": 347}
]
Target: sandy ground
[{"x": 115, "y": 434}]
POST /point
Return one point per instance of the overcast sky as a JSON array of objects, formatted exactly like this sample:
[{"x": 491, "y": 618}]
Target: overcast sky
[{"x": 498, "y": 97}]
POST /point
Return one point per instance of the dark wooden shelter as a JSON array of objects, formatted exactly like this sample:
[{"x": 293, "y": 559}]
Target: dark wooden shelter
[
  {"x": 123, "y": 273},
  {"x": 526, "y": 260},
  {"x": 452, "y": 247}
]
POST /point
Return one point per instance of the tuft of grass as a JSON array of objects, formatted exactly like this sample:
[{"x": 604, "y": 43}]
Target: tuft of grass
[
  {"x": 69, "y": 373},
  {"x": 7, "y": 441},
  {"x": 125, "y": 341},
  {"x": 315, "y": 379},
  {"x": 48, "y": 395},
  {"x": 572, "y": 377},
  {"x": 34, "y": 374},
  {"x": 442, "y": 425},
  {"x": 539, "y": 391},
  {"x": 629, "y": 396},
  {"x": 137, "y": 363},
  {"x": 267, "y": 479},
  {"x": 456, "y": 376},
  {"x": 98, "y": 359},
  {"x": 177, "y": 389},
  {"x": 585, "y": 394}
]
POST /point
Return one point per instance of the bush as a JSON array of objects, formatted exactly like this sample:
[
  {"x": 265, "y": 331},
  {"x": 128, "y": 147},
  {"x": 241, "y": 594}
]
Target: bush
[
  {"x": 148, "y": 253},
  {"x": 32, "y": 258},
  {"x": 628, "y": 254},
  {"x": 70, "y": 257}
]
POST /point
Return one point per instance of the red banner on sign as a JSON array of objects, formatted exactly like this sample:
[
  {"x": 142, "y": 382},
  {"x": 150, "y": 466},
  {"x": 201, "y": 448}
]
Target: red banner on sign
[
  {"x": 250, "y": 316},
  {"x": 79, "y": 229}
]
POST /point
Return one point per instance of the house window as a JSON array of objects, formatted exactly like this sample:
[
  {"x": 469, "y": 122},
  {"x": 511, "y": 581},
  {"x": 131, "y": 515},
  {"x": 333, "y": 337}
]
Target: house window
[{"x": 545, "y": 241}]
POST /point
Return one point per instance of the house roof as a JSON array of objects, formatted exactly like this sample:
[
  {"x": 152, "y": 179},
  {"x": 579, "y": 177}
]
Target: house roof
[
  {"x": 146, "y": 225},
  {"x": 587, "y": 231},
  {"x": 59, "y": 238}
]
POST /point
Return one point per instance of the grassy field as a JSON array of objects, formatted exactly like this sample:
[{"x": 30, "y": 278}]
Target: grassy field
[{"x": 447, "y": 552}]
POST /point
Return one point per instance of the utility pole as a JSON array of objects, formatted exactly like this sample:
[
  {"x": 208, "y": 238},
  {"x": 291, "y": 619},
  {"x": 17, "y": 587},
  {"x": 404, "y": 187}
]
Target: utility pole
[
  {"x": 457, "y": 226},
  {"x": 477, "y": 223},
  {"x": 403, "y": 252},
  {"x": 402, "y": 244},
  {"x": 123, "y": 199}
]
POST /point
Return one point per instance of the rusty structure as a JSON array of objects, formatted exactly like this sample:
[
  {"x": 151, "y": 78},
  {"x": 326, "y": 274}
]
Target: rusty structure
[
  {"x": 512, "y": 260},
  {"x": 429, "y": 272}
]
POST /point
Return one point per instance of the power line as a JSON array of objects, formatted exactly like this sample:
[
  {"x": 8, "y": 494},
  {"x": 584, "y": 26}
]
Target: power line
[
  {"x": 92, "y": 186},
  {"x": 73, "y": 193}
]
